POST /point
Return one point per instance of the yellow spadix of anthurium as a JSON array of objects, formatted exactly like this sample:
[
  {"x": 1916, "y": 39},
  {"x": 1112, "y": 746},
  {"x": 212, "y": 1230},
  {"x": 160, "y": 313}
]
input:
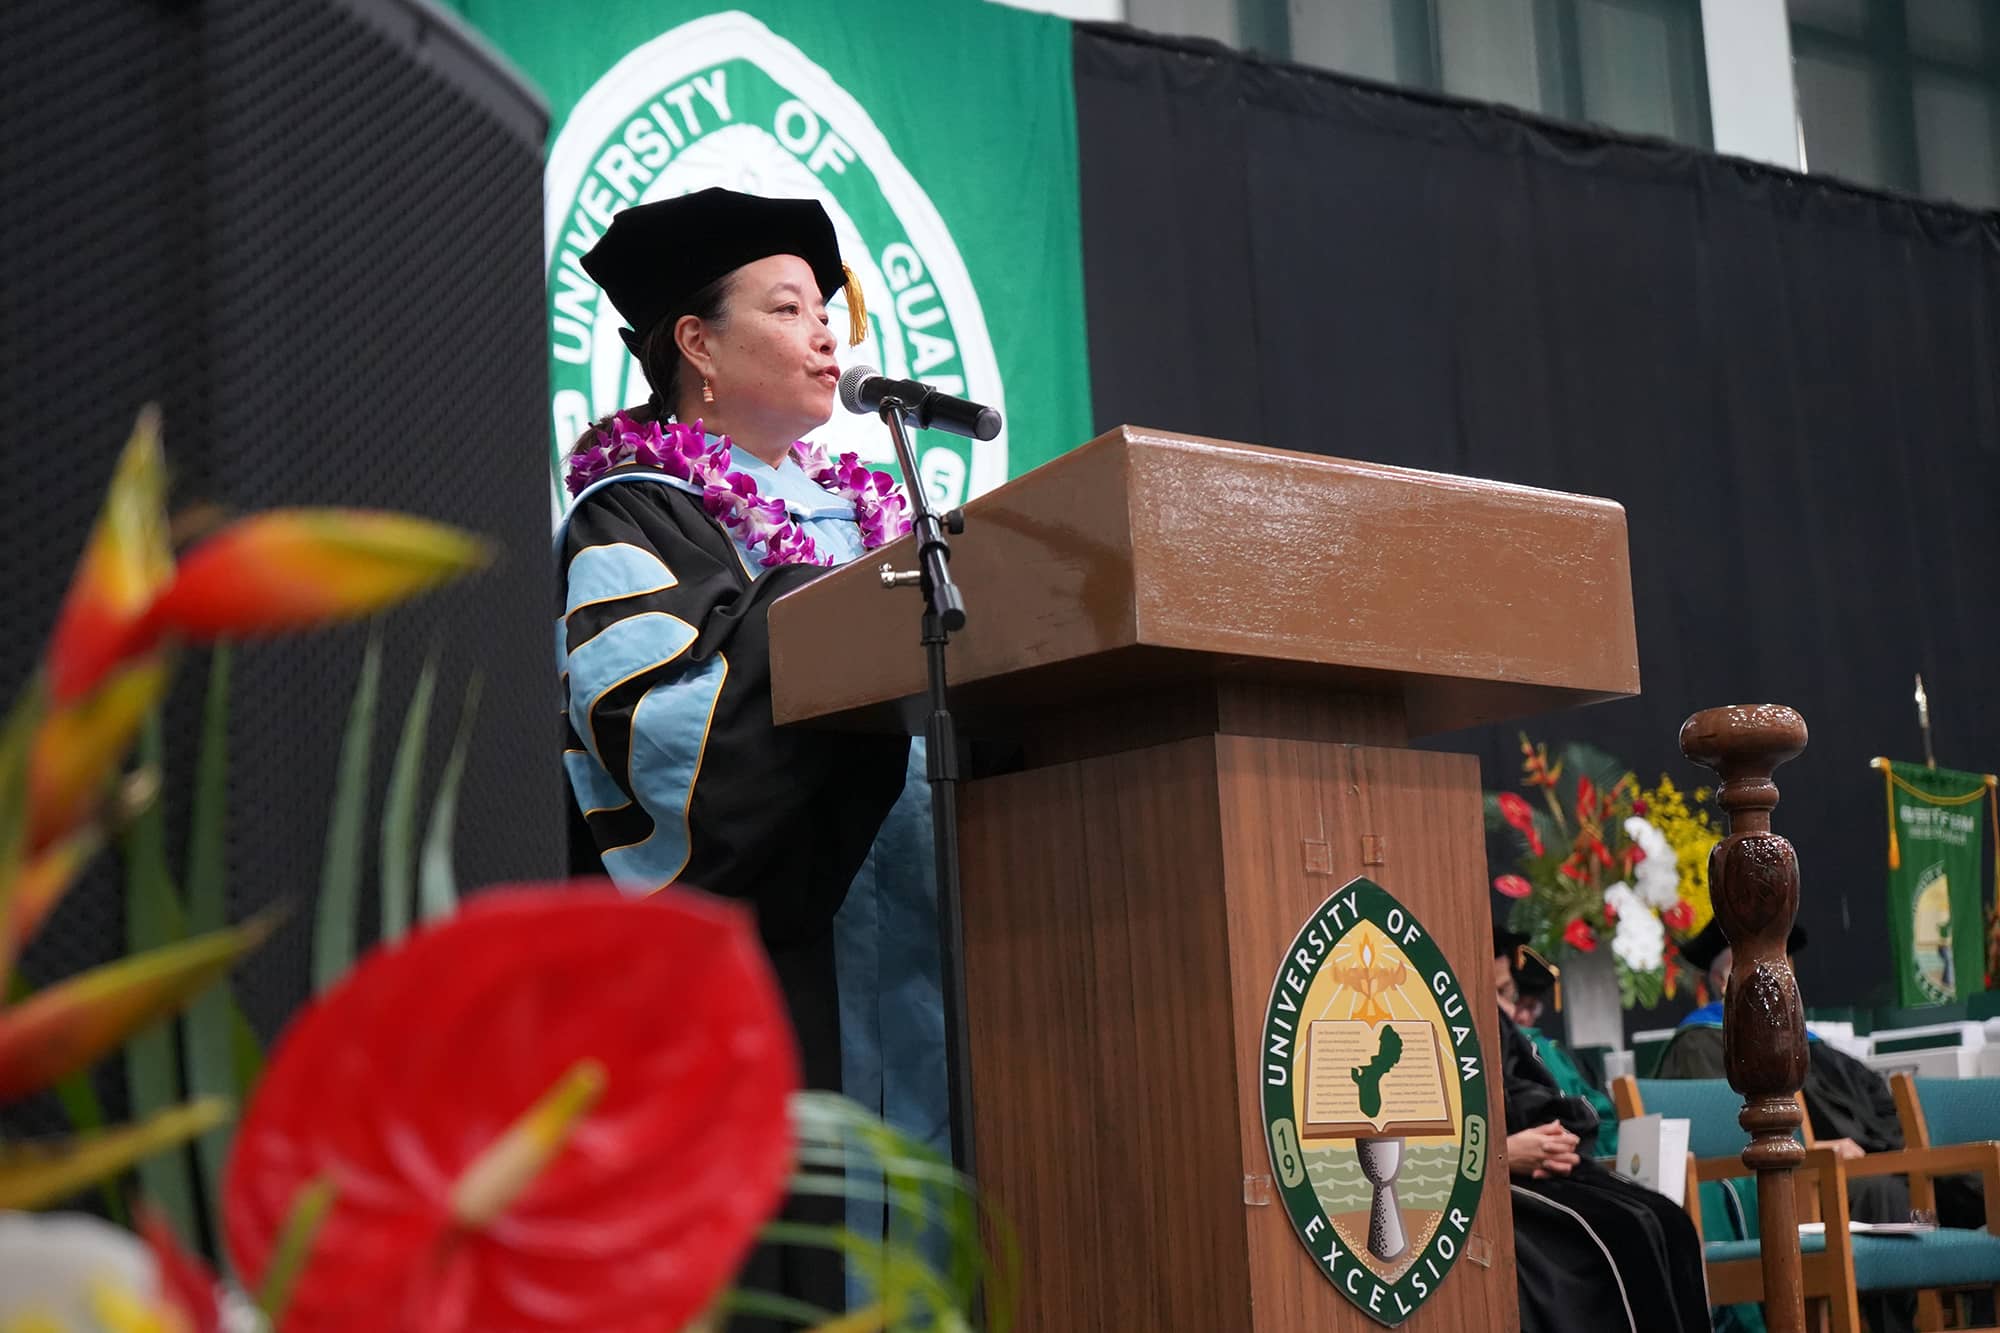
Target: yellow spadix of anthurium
[{"x": 292, "y": 569}]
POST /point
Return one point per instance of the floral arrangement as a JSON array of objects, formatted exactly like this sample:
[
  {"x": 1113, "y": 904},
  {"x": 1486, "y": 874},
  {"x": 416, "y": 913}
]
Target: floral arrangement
[
  {"x": 1603, "y": 859},
  {"x": 684, "y": 452},
  {"x": 592, "y": 1122}
]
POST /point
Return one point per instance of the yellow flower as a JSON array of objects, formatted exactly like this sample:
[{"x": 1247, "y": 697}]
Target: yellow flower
[{"x": 1691, "y": 831}]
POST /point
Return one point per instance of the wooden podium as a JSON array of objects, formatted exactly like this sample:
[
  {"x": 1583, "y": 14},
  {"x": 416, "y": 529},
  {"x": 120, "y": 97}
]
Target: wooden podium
[{"x": 1214, "y": 655}]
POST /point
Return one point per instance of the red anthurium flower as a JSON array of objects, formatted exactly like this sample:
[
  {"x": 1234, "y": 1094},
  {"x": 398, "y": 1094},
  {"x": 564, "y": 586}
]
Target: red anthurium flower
[
  {"x": 1580, "y": 936},
  {"x": 1513, "y": 886},
  {"x": 561, "y": 1108},
  {"x": 289, "y": 569},
  {"x": 1678, "y": 917},
  {"x": 1517, "y": 814},
  {"x": 186, "y": 1286},
  {"x": 126, "y": 561}
]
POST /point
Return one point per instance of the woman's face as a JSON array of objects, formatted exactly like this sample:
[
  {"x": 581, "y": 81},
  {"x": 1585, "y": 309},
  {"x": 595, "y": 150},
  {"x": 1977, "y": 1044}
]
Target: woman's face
[{"x": 771, "y": 359}]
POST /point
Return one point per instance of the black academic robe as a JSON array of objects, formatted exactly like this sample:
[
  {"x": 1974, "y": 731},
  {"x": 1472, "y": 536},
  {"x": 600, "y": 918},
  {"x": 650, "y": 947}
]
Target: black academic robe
[
  {"x": 1593, "y": 1251},
  {"x": 780, "y": 819},
  {"x": 1846, "y": 1100}
]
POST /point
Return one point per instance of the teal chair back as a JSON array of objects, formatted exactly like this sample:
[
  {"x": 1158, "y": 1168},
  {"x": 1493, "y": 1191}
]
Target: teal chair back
[
  {"x": 1959, "y": 1110},
  {"x": 1710, "y": 1106}
]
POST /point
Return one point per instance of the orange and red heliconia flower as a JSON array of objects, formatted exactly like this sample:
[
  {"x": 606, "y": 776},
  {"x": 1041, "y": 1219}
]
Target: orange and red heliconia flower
[
  {"x": 1586, "y": 801},
  {"x": 106, "y": 666},
  {"x": 648, "y": 1192}
]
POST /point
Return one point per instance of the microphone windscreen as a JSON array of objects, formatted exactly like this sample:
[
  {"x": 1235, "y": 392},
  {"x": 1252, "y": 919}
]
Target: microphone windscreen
[{"x": 851, "y": 381}]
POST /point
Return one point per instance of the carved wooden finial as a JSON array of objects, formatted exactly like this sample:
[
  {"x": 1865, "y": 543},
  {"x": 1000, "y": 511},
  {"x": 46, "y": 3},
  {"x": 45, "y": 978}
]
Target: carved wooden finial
[{"x": 1753, "y": 880}]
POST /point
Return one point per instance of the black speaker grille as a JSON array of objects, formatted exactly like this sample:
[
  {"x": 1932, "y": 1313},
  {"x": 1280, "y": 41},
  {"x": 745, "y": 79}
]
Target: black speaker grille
[{"x": 312, "y": 230}]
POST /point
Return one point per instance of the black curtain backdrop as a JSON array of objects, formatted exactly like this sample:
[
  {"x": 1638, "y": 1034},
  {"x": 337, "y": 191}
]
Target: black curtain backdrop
[{"x": 1788, "y": 383}]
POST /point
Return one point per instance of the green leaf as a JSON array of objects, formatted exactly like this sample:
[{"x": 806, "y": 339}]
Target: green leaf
[
  {"x": 34, "y": 1175},
  {"x": 246, "y": 1053},
  {"x": 437, "y": 886},
  {"x": 210, "y": 1019},
  {"x": 933, "y": 1264},
  {"x": 399, "y": 809},
  {"x": 80, "y": 1103},
  {"x": 310, "y": 1207},
  {"x": 155, "y": 919},
  {"x": 340, "y": 874}
]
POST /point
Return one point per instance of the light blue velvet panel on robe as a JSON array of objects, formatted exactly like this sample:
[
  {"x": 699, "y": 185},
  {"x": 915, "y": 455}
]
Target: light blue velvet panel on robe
[{"x": 885, "y": 936}]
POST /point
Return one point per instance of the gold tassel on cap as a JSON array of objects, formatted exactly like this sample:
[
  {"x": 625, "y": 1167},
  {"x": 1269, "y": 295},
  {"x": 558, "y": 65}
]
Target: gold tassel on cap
[{"x": 857, "y": 309}]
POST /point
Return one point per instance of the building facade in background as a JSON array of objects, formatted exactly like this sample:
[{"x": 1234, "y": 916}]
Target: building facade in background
[{"x": 1899, "y": 95}]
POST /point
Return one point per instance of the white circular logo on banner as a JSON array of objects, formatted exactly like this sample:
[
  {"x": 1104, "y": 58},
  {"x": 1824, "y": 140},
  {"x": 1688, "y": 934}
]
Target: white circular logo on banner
[{"x": 723, "y": 100}]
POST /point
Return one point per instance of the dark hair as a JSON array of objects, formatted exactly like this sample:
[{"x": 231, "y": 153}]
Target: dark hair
[{"x": 660, "y": 358}]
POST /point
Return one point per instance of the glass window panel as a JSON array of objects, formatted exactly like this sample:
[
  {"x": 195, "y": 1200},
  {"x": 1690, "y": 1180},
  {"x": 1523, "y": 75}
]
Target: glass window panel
[
  {"x": 1488, "y": 50},
  {"x": 1841, "y": 105},
  {"x": 1953, "y": 30},
  {"x": 1955, "y": 158},
  {"x": 1356, "y": 36},
  {"x": 1631, "y": 55},
  {"x": 1842, "y": 16},
  {"x": 1187, "y": 18}
]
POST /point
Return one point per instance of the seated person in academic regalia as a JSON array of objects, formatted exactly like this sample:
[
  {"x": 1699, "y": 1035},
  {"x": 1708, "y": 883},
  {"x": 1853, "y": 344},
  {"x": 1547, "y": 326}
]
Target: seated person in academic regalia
[
  {"x": 1593, "y": 1251},
  {"x": 1851, "y": 1108},
  {"x": 1527, "y": 983}
]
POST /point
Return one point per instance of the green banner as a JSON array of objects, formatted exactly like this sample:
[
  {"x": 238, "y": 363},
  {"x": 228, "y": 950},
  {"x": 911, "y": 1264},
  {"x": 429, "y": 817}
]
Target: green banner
[
  {"x": 1936, "y": 872},
  {"x": 951, "y": 180}
]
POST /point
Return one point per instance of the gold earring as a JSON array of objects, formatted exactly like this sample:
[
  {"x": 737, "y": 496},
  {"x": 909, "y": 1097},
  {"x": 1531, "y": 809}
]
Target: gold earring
[{"x": 707, "y": 393}]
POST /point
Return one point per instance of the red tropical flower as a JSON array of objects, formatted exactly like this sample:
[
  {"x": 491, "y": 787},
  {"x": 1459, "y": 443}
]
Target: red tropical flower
[
  {"x": 1513, "y": 886},
  {"x": 1586, "y": 801},
  {"x": 125, "y": 563},
  {"x": 1678, "y": 917},
  {"x": 186, "y": 1286},
  {"x": 1522, "y": 819},
  {"x": 1580, "y": 936},
  {"x": 1639, "y": 808},
  {"x": 1571, "y": 869},
  {"x": 291, "y": 569},
  {"x": 406, "y": 1085}
]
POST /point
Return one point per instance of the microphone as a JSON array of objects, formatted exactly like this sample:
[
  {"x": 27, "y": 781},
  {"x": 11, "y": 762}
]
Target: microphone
[{"x": 863, "y": 389}]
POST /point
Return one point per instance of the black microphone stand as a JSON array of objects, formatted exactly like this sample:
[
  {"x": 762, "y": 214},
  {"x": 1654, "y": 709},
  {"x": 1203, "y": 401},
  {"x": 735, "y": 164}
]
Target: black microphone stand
[{"x": 944, "y": 612}]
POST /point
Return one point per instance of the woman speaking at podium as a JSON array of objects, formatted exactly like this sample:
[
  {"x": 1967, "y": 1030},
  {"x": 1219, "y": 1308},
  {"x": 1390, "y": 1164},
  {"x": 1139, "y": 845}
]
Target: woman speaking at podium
[{"x": 691, "y": 513}]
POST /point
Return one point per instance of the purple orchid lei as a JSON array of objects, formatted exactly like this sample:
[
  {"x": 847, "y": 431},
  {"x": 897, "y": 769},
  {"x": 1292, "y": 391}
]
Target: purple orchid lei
[{"x": 731, "y": 498}]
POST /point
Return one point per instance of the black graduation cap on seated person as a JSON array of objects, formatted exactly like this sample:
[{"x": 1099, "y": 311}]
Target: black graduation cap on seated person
[
  {"x": 1701, "y": 951},
  {"x": 656, "y": 256},
  {"x": 1534, "y": 975}
]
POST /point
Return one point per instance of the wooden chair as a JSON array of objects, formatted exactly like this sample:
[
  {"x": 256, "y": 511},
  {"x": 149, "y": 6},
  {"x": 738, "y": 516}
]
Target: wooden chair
[
  {"x": 1943, "y": 1113},
  {"x": 1835, "y": 1265}
]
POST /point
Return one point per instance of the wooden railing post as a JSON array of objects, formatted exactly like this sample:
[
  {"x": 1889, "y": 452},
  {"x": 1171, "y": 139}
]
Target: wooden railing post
[{"x": 1753, "y": 879}]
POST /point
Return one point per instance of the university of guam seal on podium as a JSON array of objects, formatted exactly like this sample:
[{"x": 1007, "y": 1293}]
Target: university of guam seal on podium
[{"x": 1374, "y": 1098}]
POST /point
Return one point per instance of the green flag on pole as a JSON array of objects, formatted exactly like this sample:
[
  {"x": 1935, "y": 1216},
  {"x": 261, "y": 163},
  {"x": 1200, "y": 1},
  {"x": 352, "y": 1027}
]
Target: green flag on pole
[
  {"x": 1936, "y": 878},
  {"x": 951, "y": 180}
]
